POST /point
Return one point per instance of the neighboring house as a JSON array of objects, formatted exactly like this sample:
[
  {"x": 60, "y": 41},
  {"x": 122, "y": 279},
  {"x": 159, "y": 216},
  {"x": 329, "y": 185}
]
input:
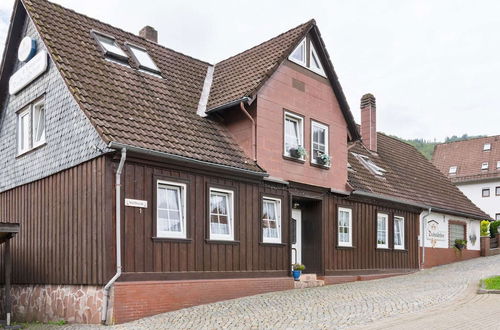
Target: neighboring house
[
  {"x": 474, "y": 167},
  {"x": 174, "y": 182}
]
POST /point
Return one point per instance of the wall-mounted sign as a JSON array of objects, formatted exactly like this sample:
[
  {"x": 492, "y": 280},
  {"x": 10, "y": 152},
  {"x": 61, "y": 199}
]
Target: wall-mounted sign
[
  {"x": 28, "y": 72},
  {"x": 136, "y": 203},
  {"x": 433, "y": 233},
  {"x": 27, "y": 49}
]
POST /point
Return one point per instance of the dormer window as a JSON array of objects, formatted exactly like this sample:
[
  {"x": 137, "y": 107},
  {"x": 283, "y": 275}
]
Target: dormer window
[
  {"x": 370, "y": 165},
  {"x": 453, "y": 170},
  {"x": 487, "y": 147},
  {"x": 143, "y": 59},
  {"x": 484, "y": 166},
  {"x": 110, "y": 47},
  {"x": 305, "y": 55}
]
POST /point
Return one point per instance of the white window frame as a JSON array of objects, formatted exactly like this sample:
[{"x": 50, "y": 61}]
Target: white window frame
[
  {"x": 321, "y": 126},
  {"x": 304, "y": 54},
  {"x": 349, "y": 211},
  {"x": 277, "y": 202},
  {"x": 402, "y": 233},
  {"x": 24, "y": 133},
  {"x": 385, "y": 216},
  {"x": 300, "y": 122},
  {"x": 34, "y": 126},
  {"x": 151, "y": 67},
  {"x": 484, "y": 166},
  {"x": 498, "y": 164},
  {"x": 487, "y": 147},
  {"x": 313, "y": 52},
  {"x": 183, "y": 193},
  {"x": 222, "y": 237},
  {"x": 453, "y": 170}
]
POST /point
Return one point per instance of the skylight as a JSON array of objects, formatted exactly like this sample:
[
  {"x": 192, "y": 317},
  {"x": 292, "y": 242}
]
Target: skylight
[
  {"x": 487, "y": 147},
  {"x": 110, "y": 47},
  {"x": 143, "y": 59},
  {"x": 370, "y": 165},
  {"x": 453, "y": 170}
]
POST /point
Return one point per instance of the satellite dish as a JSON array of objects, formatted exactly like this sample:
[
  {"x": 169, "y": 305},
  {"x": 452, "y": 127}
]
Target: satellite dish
[{"x": 27, "y": 49}]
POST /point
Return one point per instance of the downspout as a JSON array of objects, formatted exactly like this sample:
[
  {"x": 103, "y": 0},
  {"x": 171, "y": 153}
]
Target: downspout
[
  {"x": 107, "y": 287},
  {"x": 422, "y": 236},
  {"x": 254, "y": 128}
]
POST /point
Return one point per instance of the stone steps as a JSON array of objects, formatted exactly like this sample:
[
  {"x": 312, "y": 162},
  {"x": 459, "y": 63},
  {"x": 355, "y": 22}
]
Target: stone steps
[{"x": 308, "y": 281}]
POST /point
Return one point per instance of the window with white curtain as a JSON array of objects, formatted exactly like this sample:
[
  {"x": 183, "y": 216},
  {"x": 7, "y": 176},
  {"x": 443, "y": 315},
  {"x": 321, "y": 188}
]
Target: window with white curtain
[
  {"x": 221, "y": 214},
  {"x": 171, "y": 210},
  {"x": 382, "y": 230},
  {"x": 319, "y": 140},
  {"x": 293, "y": 132},
  {"x": 271, "y": 220},
  {"x": 399, "y": 233},
  {"x": 344, "y": 227}
]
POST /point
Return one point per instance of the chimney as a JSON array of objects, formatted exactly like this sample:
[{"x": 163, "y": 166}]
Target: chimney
[
  {"x": 149, "y": 33},
  {"x": 369, "y": 122}
]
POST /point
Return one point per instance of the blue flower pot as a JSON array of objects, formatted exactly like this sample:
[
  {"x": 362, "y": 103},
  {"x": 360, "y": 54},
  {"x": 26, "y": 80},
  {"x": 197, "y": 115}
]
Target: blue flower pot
[{"x": 296, "y": 274}]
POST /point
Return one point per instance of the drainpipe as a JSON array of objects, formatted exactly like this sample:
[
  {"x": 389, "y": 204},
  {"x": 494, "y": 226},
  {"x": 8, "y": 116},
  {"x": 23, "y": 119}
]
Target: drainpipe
[
  {"x": 254, "y": 128},
  {"x": 422, "y": 236},
  {"x": 107, "y": 287}
]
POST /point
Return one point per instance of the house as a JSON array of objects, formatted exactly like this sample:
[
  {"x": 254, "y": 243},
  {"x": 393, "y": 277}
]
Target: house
[
  {"x": 145, "y": 180},
  {"x": 474, "y": 167}
]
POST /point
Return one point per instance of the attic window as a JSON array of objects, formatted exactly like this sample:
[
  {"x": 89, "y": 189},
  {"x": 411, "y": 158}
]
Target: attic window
[
  {"x": 484, "y": 166},
  {"x": 487, "y": 147},
  {"x": 305, "y": 55},
  {"x": 453, "y": 170},
  {"x": 143, "y": 59},
  {"x": 110, "y": 47},
  {"x": 370, "y": 165}
]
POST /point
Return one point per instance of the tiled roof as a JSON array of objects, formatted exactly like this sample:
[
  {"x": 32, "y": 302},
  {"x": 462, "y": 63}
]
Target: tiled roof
[
  {"x": 242, "y": 74},
  {"x": 468, "y": 156},
  {"x": 129, "y": 106},
  {"x": 410, "y": 176}
]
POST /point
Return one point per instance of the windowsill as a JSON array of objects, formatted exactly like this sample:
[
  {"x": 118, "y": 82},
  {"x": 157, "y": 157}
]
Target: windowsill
[
  {"x": 272, "y": 244},
  {"x": 400, "y": 250},
  {"x": 383, "y": 248},
  {"x": 344, "y": 247},
  {"x": 325, "y": 167},
  {"x": 171, "y": 239},
  {"x": 24, "y": 153},
  {"x": 214, "y": 241},
  {"x": 293, "y": 159}
]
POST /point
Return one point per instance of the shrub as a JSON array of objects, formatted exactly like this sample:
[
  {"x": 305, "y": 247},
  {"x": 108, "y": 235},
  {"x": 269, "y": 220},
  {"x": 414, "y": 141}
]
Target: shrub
[
  {"x": 494, "y": 228},
  {"x": 298, "y": 267},
  {"x": 485, "y": 228}
]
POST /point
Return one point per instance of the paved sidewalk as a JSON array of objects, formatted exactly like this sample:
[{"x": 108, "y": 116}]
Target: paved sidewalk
[{"x": 437, "y": 298}]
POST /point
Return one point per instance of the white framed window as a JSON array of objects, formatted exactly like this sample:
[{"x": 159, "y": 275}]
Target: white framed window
[
  {"x": 38, "y": 116},
  {"x": 319, "y": 140},
  {"x": 457, "y": 231},
  {"x": 143, "y": 59},
  {"x": 498, "y": 164},
  {"x": 110, "y": 47},
  {"x": 484, "y": 166},
  {"x": 314, "y": 61},
  {"x": 344, "y": 227},
  {"x": 24, "y": 131},
  {"x": 487, "y": 147},
  {"x": 171, "y": 209},
  {"x": 294, "y": 133},
  {"x": 299, "y": 54},
  {"x": 221, "y": 214},
  {"x": 453, "y": 170},
  {"x": 399, "y": 233},
  {"x": 271, "y": 220},
  {"x": 382, "y": 230}
]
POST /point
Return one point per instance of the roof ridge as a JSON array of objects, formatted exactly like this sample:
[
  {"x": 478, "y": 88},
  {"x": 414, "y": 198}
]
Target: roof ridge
[
  {"x": 471, "y": 139},
  {"x": 309, "y": 22},
  {"x": 117, "y": 28}
]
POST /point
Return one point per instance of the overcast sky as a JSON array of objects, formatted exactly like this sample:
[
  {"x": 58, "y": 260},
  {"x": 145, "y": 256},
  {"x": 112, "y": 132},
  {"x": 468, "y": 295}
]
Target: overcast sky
[{"x": 433, "y": 65}]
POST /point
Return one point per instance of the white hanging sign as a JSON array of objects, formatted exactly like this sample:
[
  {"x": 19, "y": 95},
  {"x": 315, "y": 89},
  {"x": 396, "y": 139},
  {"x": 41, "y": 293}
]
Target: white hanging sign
[
  {"x": 136, "y": 203},
  {"x": 28, "y": 72}
]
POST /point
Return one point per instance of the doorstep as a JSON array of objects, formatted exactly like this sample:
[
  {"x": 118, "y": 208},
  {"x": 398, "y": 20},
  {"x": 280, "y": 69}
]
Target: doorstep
[{"x": 308, "y": 281}]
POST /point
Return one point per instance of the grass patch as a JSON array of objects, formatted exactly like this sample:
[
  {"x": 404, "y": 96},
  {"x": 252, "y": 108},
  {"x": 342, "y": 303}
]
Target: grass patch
[{"x": 492, "y": 283}]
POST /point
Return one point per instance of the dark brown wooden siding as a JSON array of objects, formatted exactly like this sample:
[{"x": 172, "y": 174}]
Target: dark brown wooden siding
[
  {"x": 197, "y": 257},
  {"x": 62, "y": 234}
]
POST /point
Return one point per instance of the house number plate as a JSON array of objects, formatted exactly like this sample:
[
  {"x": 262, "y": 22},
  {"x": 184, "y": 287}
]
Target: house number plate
[{"x": 136, "y": 203}]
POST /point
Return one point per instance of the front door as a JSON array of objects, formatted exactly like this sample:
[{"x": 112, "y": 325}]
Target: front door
[{"x": 297, "y": 246}]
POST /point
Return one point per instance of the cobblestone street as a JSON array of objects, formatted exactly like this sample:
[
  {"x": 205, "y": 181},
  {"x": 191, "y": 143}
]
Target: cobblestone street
[{"x": 439, "y": 294}]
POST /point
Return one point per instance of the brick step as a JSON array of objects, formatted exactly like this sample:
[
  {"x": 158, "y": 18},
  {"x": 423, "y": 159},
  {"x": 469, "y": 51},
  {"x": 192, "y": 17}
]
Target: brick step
[
  {"x": 308, "y": 284},
  {"x": 308, "y": 277}
]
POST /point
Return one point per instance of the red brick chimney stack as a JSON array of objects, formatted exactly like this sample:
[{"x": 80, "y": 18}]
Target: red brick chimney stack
[
  {"x": 369, "y": 122},
  {"x": 149, "y": 33}
]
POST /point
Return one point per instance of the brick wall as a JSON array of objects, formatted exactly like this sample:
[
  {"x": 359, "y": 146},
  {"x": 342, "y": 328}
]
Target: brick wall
[
  {"x": 438, "y": 256},
  {"x": 134, "y": 300}
]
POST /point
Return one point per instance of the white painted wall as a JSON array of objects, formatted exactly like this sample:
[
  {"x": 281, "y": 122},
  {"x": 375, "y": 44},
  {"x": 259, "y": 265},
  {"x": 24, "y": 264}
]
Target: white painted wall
[
  {"x": 490, "y": 205},
  {"x": 436, "y": 230}
]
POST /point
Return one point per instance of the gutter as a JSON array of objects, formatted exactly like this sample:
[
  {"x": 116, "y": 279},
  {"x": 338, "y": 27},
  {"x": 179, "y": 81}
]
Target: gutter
[
  {"x": 169, "y": 156},
  {"x": 230, "y": 104},
  {"x": 107, "y": 287},
  {"x": 422, "y": 236}
]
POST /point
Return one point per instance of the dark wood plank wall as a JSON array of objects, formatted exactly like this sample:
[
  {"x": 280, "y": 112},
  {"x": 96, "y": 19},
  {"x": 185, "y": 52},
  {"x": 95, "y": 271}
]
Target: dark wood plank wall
[
  {"x": 63, "y": 219},
  {"x": 196, "y": 257},
  {"x": 364, "y": 254}
]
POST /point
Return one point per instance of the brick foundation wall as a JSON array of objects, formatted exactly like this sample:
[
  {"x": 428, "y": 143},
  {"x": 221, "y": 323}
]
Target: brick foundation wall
[
  {"x": 43, "y": 303},
  {"x": 437, "y": 256},
  {"x": 134, "y": 300}
]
